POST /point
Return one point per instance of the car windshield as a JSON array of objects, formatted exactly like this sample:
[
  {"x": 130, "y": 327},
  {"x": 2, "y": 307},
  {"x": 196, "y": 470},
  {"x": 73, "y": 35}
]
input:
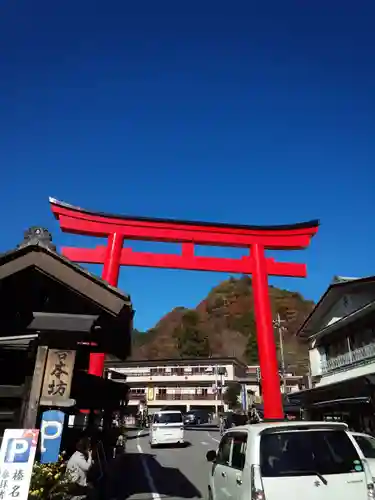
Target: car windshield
[
  {"x": 367, "y": 445},
  {"x": 167, "y": 418},
  {"x": 308, "y": 452}
]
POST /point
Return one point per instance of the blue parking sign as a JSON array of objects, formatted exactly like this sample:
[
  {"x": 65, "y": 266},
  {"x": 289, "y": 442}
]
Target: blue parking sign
[
  {"x": 51, "y": 430},
  {"x": 18, "y": 450}
]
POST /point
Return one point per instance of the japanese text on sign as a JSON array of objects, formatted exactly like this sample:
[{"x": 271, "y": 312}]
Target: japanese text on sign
[
  {"x": 59, "y": 373},
  {"x": 10, "y": 483}
]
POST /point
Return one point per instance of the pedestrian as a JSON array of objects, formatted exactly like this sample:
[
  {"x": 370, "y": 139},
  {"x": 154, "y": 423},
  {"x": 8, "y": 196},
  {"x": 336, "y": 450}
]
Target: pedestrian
[
  {"x": 222, "y": 424},
  {"x": 78, "y": 467},
  {"x": 119, "y": 448},
  {"x": 254, "y": 417}
]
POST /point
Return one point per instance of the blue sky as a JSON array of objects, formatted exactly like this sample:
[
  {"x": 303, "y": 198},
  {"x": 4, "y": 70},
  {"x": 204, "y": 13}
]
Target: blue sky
[{"x": 245, "y": 112}]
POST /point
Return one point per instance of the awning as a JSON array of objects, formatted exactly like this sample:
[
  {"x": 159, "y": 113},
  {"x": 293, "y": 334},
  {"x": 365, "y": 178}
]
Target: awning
[
  {"x": 351, "y": 391},
  {"x": 342, "y": 401}
]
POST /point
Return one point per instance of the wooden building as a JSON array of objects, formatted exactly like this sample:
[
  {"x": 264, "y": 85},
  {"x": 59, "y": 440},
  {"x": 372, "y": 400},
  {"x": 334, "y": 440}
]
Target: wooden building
[{"x": 48, "y": 302}]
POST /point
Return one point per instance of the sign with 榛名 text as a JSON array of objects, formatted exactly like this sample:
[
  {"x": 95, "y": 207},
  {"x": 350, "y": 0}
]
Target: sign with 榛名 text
[
  {"x": 17, "y": 456},
  {"x": 58, "y": 375}
]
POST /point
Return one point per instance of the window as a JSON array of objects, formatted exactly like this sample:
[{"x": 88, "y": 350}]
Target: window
[
  {"x": 157, "y": 371},
  {"x": 177, "y": 371},
  {"x": 361, "y": 337},
  {"x": 223, "y": 453},
  {"x": 337, "y": 347},
  {"x": 138, "y": 392},
  {"x": 199, "y": 370},
  {"x": 232, "y": 450},
  {"x": 239, "y": 450},
  {"x": 367, "y": 445},
  {"x": 167, "y": 418},
  {"x": 307, "y": 452}
]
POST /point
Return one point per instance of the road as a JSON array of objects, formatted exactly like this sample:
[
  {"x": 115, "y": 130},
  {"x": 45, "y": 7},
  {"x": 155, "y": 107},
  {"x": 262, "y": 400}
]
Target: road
[{"x": 174, "y": 473}]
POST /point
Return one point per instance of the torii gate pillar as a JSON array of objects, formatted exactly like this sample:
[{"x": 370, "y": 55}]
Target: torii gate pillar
[{"x": 257, "y": 239}]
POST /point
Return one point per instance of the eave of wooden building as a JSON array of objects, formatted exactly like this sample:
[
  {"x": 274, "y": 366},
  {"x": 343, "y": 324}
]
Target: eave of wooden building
[{"x": 42, "y": 292}]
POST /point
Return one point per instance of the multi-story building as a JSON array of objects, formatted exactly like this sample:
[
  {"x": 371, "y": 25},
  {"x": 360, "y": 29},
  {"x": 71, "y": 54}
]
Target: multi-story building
[
  {"x": 289, "y": 382},
  {"x": 182, "y": 383},
  {"x": 189, "y": 383},
  {"x": 340, "y": 333}
]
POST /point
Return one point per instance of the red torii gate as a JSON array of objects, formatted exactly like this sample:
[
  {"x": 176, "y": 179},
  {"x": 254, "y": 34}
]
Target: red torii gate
[{"x": 257, "y": 239}]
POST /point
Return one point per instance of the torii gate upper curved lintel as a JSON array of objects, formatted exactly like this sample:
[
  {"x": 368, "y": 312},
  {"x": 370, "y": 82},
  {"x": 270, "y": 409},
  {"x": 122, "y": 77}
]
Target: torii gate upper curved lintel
[{"x": 257, "y": 239}]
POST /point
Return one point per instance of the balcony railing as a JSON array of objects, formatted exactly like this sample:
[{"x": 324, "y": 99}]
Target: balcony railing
[
  {"x": 353, "y": 357},
  {"x": 167, "y": 374},
  {"x": 184, "y": 397}
]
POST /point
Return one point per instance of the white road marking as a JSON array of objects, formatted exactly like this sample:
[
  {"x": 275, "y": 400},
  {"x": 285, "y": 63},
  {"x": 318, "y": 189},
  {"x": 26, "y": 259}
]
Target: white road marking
[
  {"x": 155, "y": 495},
  {"x": 204, "y": 442},
  {"x": 214, "y": 439}
]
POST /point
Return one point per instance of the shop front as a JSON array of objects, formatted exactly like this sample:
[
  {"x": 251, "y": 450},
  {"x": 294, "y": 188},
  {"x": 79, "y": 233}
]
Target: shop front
[{"x": 351, "y": 401}]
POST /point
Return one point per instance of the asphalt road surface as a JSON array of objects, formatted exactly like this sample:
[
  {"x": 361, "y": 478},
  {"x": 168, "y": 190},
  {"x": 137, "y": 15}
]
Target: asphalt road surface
[{"x": 174, "y": 473}]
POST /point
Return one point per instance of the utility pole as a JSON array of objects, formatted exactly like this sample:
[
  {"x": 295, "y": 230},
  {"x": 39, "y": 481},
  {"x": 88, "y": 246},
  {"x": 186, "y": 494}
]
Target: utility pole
[
  {"x": 221, "y": 388},
  {"x": 278, "y": 323},
  {"x": 216, "y": 392},
  {"x": 219, "y": 377}
]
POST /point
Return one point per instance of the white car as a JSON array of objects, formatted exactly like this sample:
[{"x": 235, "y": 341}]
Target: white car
[
  {"x": 367, "y": 445},
  {"x": 289, "y": 460},
  {"x": 167, "y": 428}
]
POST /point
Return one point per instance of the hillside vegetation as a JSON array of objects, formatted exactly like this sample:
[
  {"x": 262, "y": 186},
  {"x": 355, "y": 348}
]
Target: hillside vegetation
[{"x": 223, "y": 324}]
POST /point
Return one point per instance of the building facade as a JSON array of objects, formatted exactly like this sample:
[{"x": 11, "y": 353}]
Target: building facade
[
  {"x": 188, "y": 384},
  {"x": 340, "y": 333},
  {"x": 183, "y": 384},
  {"x": 289, "y": 382}
]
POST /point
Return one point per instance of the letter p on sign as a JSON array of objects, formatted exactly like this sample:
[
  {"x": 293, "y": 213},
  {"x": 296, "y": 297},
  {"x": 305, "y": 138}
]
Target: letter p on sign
[
  {"x": 49, "y": 430},
  {"x": 50, "y": 435},
  {"x": 18, "y": 450}
]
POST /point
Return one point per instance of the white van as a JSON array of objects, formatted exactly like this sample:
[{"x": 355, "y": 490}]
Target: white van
[
  {"x": 291, "y": 460},
  {"x": 167, "y": 428}
]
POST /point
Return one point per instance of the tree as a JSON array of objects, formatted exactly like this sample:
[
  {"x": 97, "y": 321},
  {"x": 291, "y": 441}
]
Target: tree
[
  {"x": 246, "y": 325},
  {"x": 251, "y": 350},
  {"x": 191, "y": 342},
  {"x": 231, "y": 394},
  {"x": 141, "y": 338}
]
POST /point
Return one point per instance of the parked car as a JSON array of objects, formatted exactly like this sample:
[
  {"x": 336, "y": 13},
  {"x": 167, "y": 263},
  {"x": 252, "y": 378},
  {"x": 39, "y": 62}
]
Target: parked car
[
  {"x": 196, "y": 417},
  {"x": 367, "y": 445},
  {"x": 274, "y": 460}
]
